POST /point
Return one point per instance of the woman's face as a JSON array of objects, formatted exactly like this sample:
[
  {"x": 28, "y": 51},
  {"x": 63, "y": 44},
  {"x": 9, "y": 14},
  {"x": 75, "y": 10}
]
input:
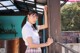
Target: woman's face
[{"x": 32, "y": 18}]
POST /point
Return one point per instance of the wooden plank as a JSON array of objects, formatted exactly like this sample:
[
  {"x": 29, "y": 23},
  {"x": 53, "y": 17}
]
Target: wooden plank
[
  {"x": 1, "y": 43},
  {"x": 13, "y": 46},
  {"x": 22, "y": 46}
]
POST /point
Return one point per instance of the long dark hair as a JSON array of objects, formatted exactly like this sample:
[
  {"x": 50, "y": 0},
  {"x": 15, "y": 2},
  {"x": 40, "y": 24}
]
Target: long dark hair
[{"x": 25, "y": 19}]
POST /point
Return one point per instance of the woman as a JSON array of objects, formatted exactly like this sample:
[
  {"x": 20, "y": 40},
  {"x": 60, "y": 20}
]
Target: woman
[{"x": 30, "y": 33}]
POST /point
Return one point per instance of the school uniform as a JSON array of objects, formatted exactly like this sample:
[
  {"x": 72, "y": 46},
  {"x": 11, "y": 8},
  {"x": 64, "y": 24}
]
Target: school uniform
[{"x": 28, "y": 31}]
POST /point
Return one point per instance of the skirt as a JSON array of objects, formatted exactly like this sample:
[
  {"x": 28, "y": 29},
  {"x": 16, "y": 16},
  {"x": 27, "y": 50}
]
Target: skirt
[{"x": 33, "y": 50}]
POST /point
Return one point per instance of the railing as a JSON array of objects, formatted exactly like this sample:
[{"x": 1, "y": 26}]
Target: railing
[{"x": 67, "y": 49}]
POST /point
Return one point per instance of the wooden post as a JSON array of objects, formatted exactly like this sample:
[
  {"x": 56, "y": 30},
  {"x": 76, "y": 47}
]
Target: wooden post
[
  {"x": 13, "y": 46},
  {"x": 16, "y": 46},
  {"x": 54, "y": 24},
  {"x": 22, "y": 46}
]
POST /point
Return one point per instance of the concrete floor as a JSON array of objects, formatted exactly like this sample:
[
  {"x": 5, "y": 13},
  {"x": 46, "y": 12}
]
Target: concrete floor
[{"x": 74, "y": 46}]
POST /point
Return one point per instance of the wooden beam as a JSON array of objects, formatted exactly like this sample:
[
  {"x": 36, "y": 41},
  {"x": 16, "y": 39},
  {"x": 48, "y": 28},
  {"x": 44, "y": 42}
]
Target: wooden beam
[{"x": 54, "y": 22}]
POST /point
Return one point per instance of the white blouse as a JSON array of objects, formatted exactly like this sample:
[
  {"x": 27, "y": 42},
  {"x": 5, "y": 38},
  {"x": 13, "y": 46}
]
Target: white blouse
[{"x": 27, "y": 31}]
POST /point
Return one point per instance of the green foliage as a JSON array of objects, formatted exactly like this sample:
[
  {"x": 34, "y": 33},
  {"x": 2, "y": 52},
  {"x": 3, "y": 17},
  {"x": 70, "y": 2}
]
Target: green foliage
[{"x": 70, "y": 17}]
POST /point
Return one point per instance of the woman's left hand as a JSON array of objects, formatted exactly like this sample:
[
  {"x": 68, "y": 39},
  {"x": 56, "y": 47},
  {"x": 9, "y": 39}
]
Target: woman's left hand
[{"x": 45, "y": 8}]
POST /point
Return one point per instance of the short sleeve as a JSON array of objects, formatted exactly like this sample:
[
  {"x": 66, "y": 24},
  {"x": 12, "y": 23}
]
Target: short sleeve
[
  {"x": 26, "y": 32},
  {"x": 38, "y": 27}
]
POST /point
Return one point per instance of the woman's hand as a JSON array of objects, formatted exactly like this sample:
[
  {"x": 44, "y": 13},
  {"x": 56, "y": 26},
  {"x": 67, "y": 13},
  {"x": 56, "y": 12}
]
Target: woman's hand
[
  {"x": 45, "y": 8},
  {"x": 49, "y": 41}
]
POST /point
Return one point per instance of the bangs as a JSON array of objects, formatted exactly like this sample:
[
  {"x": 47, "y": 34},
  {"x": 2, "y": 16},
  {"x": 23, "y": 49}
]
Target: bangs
[{"x": 33, "y": 13}]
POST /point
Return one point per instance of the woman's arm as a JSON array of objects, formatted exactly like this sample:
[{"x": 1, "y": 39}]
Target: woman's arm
[
  {"x": 45, "y": 25},
  {"x": 32, "y": 45}
]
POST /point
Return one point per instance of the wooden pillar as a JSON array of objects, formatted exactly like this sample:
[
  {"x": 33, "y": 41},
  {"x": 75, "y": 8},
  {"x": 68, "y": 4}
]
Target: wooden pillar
[
  {"x": 54, "y": 24},
  {"x": 22, "y": 46},
  {"x": 13, "y": 46},
  {"x": 1, "y": 43},
  {"x": 16, "y": 46}
]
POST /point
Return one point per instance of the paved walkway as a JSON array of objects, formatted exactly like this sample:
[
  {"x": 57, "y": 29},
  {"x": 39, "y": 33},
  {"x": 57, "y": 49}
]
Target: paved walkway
[{"x": 74, "y": 46}]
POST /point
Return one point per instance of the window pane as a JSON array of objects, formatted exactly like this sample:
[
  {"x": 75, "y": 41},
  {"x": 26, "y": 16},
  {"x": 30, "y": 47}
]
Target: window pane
[{"x": 6, "y": 3}]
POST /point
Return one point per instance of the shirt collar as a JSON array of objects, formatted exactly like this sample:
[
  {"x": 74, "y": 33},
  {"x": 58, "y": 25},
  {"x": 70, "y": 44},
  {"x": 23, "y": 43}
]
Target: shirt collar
[{"x": 29, "y": 23}]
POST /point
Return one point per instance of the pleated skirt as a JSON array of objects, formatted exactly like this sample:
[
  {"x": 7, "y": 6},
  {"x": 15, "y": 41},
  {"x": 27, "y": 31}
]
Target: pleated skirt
[{"x": 33, "y": 50}]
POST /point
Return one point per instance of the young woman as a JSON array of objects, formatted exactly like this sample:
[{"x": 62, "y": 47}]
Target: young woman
[{"x": 30, "y": 33}]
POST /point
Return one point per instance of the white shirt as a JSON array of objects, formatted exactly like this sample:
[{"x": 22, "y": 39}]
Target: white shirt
[{"x": 27, "y": 31}]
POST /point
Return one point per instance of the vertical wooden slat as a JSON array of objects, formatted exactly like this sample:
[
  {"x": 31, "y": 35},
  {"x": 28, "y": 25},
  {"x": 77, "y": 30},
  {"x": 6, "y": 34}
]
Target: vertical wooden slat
[
  {"x": 22, "y": 46},
  {"x": 54, "y": 24},
  {"x": 16, "y": 46},
  {"x": 1, "y": 43},
  {"x": 13, "y": 46}
]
